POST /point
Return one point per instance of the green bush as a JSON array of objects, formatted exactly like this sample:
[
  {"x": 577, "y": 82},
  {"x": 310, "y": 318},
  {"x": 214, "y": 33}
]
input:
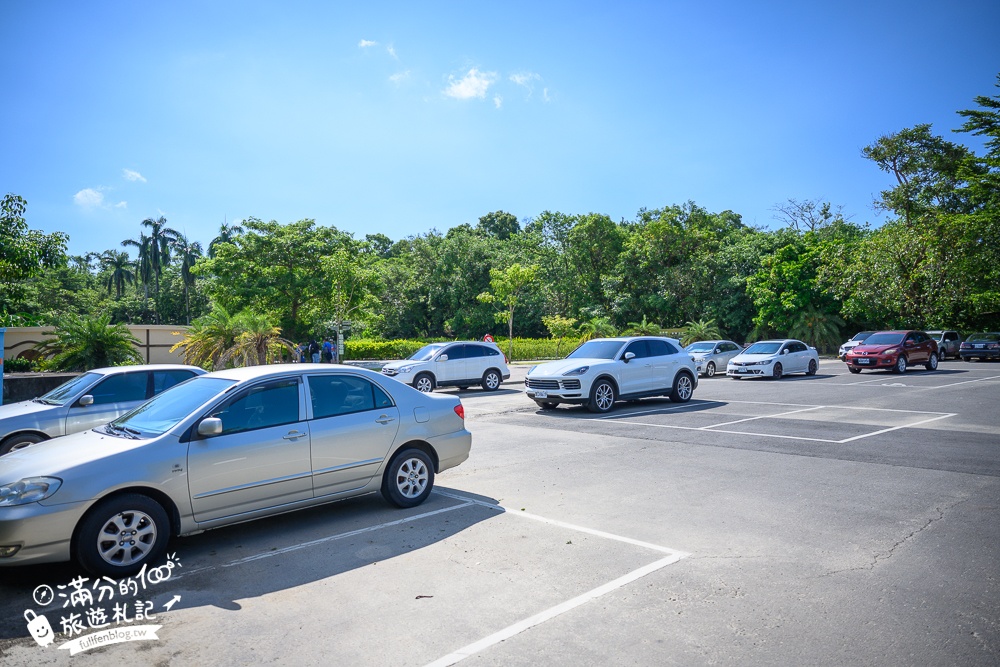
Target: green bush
[{"x": 19, "y": 365}]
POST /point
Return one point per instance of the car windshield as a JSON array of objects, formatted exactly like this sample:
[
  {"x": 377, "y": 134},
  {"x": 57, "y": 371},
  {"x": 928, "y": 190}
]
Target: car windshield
[
  {"x": 161, "y": 413},
  {"x": 597, "y": 349},
  {"x": 68, "y": 389},
  {"x": 763, "y": 348},
  {"x": 863, "y": 335},
  {"x": 985, "y": 337},
  {"x": 700, "y": 347},
  {"x": 885, "y": 339},
  {"x": 426, "y": 352}
]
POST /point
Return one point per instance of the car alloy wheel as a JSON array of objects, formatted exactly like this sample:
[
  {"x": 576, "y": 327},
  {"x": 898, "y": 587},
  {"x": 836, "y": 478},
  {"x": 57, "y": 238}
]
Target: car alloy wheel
[
  {"x": 932, "y": 363},
  {"x": 424, "y": 383},
  {"x": 491, "y": 380},
  {"x": 121, "y": 534},
  {"x": 812, "y": 367},
  {"x": 15, "y": 442},
  {"x": 683, "y": 388},
  {"x": 602, "y": 396},
  {"x": 776, "y": 373},
  {"x": 900, "y": 366},
  {"x": 409, "y": 478},
  {"x": 710, "y": 369}
]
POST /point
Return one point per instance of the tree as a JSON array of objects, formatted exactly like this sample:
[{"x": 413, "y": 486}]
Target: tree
[
  {"x": 208, "y": 338},
  {"x": 507, "y": 286},
  {"x": 597, "y": 327},
  {"x": 143, "y": 263},
  {"x": 499, "y": 224},
  {"x": 226, "y": 234},
  {"x": 700, "y": 330},
  {"x": 258, "y": 341},
  {"x": 643, "y": 328},
  {"x": 559, "y": 327},
  {"x": 808, "y": 215},
  {"x": 82, "y": 343},
  {"x": 819, "y": 328},
  {"x": 353, "y": 287},
  {"x": 119, "y": 266},
  {"x": 24, "y": 252},
  {"x": 189, "y": 252},
  {"x": 160, "y": 240}
]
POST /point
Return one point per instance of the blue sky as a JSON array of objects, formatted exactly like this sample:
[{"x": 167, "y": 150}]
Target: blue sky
[{"x": 402, "y": 117}]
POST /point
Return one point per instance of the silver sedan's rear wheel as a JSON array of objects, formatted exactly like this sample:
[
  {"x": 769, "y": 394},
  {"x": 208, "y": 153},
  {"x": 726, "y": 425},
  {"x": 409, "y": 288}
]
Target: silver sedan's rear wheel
[
  {"x": 602, "y": 396},
  {"x": 19, "y": 441},
  {"x": 121, "y": 534},
  {"x": 409, "y": 478}
]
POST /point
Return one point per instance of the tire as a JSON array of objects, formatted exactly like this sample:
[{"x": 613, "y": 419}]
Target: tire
[
  {"x": 932, "y": 363},
  {"x": 19, "y": 441},
  {"x": 856, "y": 371},
  {"x": 424, "y": 382},
  {"x": 710, "y": 369},
  {"x": 547, "y": 405},
  {"x": 777, "y": 372},
  {"x": 683, "y": 388},
  {"x": 491, "y": 380},
  {"x": 900, "y": 366},
  {"x": 408, "y": 479},
  {"x": 813, "y": 367},
  {"x": 121, "y": 534},
  {"x": 602, "y": 396}
]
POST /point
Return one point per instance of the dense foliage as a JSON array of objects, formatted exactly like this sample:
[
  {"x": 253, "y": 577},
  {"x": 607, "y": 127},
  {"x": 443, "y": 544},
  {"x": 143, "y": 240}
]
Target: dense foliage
[{"x": 934, "y": 264}]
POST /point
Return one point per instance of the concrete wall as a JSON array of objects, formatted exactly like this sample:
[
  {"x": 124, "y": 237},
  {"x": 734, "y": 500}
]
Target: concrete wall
[
  {"x": 25, "y": 386},
  {"x": 155, "y": 341}
]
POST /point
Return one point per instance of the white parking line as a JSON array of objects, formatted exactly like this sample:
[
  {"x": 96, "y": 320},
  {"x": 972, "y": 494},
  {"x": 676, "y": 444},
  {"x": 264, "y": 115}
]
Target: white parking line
[
  {"x": 896, "y": 428},
  {"x": 750, "y": 419},
  {"x": 955, "y": 384}
]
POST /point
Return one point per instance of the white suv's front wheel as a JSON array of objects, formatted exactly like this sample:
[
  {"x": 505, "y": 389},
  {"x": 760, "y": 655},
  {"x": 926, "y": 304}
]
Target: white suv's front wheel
[
  {"x": 602, "y": 396},
  {"x": 424, "y": 382}
]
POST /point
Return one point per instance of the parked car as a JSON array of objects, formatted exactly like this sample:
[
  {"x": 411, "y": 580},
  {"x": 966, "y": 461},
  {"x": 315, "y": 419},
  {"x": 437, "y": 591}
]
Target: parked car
[
  {"x": 894, "y": 350},
  {"x": 604, "y": 370},
  {"x": 93, "y": 398},
  {"x": 225, "y": 447},
  {"x": 711, "y": 355},
  {"x": 981, "y": 346},
  {"x": 853, "y": 343},
  {"x": 459, "y": 364},
  {"x": 948, "y": 342},
  {"x": 774, "y": 359}
]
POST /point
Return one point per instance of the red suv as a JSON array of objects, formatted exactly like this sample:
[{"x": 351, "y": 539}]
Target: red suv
[{"x": 894, "y": 350}]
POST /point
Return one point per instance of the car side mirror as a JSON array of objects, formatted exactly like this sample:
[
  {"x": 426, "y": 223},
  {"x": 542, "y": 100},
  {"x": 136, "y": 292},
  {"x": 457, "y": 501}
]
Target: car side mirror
[
  {"x": 210, "y": 426},
  {"x": 442, "y": 357},
  {"x": 717, "y": 351},
  {"x": 628, "y": 356},
  {"x": 785, "y": 351},
  {"x": 86, "y": 400},
  {"x": 909, "y": 343}
]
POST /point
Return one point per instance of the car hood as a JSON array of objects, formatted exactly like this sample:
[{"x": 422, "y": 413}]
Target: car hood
[
  {"x": 743, "y": 358},
  {"x": 53, "y": 457},
  {"x": 564, "y": 365},
  {"x": 396, "y": 365},
  {"x": 875, "y": 349},
  {"x": 23, "y": 408}
]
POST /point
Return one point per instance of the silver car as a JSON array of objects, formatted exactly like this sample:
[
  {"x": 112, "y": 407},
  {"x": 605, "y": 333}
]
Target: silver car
[
  {"x": 225, "y": 447},
  {"x": 88, "y": 400},
  {"x": 712, "y": 355}
]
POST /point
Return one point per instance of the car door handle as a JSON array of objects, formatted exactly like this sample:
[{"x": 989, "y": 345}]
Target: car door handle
[
  {"x": 293, "y": 435},
  {"x": 385, "y": 419}
]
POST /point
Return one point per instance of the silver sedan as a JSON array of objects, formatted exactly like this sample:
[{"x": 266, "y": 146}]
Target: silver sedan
[
  {"x": 222, "y": 448},
  {"x": 712, "y": 355},
  {"x": 88, "y": 400}
]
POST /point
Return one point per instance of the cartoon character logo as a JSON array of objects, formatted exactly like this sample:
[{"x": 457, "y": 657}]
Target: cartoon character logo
[{"x": 39, "y": 628}]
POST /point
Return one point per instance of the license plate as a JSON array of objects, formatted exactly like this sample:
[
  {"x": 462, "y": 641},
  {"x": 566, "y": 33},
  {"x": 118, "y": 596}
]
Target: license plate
[
  {"x": 979, "y": 347},
  {"x": 541, "y": 394},
  {"x": 742, "y": 370},
  {"x": 864, "y": 362}
]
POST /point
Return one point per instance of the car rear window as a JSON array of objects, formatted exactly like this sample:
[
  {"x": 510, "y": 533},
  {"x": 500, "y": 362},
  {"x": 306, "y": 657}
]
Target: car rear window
[{"x": 985, "y": 336}]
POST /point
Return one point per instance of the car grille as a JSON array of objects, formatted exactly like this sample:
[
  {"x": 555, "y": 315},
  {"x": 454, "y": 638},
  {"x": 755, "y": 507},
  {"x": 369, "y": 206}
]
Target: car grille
[
  {"x": 551, "y": 385},
  {"x": 389, "y": 371}
]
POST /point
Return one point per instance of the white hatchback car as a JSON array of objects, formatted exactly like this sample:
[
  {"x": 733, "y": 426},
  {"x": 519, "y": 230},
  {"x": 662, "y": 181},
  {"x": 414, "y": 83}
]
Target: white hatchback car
[
  {"x": 458, "y": 364},
  {"x": 604, "y": 370},
  {"x": 773, "y": 359}
]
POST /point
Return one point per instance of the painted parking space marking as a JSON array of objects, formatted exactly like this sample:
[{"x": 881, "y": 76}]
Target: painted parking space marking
[
  {"x": 468, "y": 650},
  {"x": 955, "y": 384},
  {"x": 801, "y": 408}
]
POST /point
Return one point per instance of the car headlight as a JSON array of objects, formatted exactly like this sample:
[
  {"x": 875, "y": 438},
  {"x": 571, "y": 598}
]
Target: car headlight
[
  {"x": 404, "y": 369},
  {"x": 891, "y": 350},
  {"x": 28, "y": 490},
  {"x": 578, "y": 371}
]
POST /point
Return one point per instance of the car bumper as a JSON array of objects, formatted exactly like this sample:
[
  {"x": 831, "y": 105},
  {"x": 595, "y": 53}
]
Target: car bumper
[
  {"x": 452, "y": 448},
  {"x": 558, "y": 389},
  {"x": 42, "y": 533},
  {"x": 750, "y": 371},
  {"x": 979, "y": 354},
  {"x": 871, "y": 362}
]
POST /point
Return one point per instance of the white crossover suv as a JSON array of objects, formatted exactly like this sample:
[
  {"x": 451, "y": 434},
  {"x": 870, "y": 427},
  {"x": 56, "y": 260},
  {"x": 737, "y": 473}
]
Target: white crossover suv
[
  {"x": 604, "y": 370},
  {"x": 456, "y": 364}
]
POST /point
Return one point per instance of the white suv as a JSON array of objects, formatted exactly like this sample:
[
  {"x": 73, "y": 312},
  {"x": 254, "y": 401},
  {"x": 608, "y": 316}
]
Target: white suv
[
  {"x": 604, "y": 370},
  {"x": 460, "y": 364}
]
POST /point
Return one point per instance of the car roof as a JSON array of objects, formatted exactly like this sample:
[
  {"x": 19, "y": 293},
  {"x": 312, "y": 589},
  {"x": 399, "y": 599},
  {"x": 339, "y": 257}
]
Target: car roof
[
  {"x": 108, "y": 370},
  {"x": 254, "y": 372}
]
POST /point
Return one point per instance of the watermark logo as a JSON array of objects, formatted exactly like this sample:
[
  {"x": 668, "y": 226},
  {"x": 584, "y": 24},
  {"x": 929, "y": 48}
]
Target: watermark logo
[{"x": 100, "y": 605}]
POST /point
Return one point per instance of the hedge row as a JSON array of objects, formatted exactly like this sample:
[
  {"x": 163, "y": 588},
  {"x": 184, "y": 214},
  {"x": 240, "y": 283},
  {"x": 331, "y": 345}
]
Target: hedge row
[{"x": 525, "y": 349}]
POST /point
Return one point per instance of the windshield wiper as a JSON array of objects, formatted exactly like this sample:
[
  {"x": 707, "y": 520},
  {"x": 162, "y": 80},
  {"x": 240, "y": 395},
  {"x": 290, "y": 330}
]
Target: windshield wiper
[{"x": 119, "y": 431}]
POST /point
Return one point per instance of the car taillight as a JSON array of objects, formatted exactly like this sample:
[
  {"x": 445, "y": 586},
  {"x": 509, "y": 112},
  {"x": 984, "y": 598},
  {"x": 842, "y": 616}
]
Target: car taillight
[
  {"x": 505, "y": 359},
  {"x": 964, "y": 345},
  {"x": 460, "y": 411}
]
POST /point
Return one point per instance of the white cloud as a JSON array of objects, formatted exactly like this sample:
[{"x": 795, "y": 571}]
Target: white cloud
[
  {"x": 130, "y": 175},
  {"x": 121, "y": 204},
  {"x": 391, "y": 50},
  {"x": 399, "y": 77},
  {"x": 365, "y": 43},
  {"x": 497, "y": 101},
  {"x": 89, "y": 198},
  {"x": 473, "y": 84},
  {"x": 545, "y": 94}
]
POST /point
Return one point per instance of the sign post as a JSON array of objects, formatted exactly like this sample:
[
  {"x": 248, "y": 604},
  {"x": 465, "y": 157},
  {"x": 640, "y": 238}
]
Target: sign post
[{"x": 3, "y": 330}]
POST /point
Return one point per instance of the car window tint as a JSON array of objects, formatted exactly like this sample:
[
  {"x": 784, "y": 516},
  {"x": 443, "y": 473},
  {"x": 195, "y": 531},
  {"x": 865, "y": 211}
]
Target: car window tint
[
  {"x": 657, "y": 348},
  {"x": 270, "y": 404},
  {"x": 491, "y": 351},
  {"x": 798, "y": 347},
  {"x": 382, "y": 399},
  {"x": 474, "y": 351},
  {"x": 455, "y": 352},
  {"x": 167, "y": 379},
  {"x": 638, "y": 348},
  {"x": 121, "y": 388},
  {"x": 333, "y": 395}
]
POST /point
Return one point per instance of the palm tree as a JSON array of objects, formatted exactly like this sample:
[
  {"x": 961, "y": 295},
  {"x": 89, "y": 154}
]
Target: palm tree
[
  {"x": 258, "y": 342},
  {"x": 208, "y": 338},
  {"x": 596, "y": 327},
  {"x": 120, "y": 266},
  {"x": 79, "y": 344},
  {"x": 189, "y": 252},
  {"x": 160, "y": 238},
  {"x": 700, "y": 330},
  {"x": 643, "y": 328},
  {"x": 226, "y": 234},
  {"x": 143, "y": 264},
  {"x": 817, "y": 328}
]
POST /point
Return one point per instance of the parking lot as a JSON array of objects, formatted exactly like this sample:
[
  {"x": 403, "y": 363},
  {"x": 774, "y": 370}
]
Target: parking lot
[{"x": 833, "y": 519}]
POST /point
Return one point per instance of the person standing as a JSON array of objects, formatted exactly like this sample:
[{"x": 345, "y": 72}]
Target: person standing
[
  {"x": 327, "y": 351},
  {"x": 314, "y": 351}
]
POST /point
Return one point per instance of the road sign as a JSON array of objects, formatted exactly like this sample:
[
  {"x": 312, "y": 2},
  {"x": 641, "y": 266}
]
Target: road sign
[{"x": 488, "y": 338}]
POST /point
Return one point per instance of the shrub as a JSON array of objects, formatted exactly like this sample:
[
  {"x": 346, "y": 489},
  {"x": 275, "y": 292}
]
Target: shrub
[{"x": 19, "y": 365}]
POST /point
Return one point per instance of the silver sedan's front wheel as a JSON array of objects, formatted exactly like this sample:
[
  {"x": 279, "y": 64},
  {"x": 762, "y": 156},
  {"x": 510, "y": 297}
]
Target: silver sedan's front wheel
[
  {"x": 121, "y": 534},
  {"x": 409, "y": 478}
]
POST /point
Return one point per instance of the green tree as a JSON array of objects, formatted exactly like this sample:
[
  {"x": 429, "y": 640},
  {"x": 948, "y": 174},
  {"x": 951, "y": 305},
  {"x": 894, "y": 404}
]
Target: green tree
[
  {"x": 119, "y": 271},
  {"x": 189, "y": 253},
  {"x": 83, "y": 343},
  {"x": 354, "y": 285},
  {"x": 507, "y": 286},
  {"x": 819, "y": 328},
  {"x": 258, "y": 341},
  {"x": 700, "y": 330},
  {"x": 24, "y": 252},
  {"x": 643, "y": 328},
  {"x": 208, "y": 338},
  {"x": 559, "y": 327},
  {"x": 597, "y": 327},
  {"x": 499, "y": 224},
  {"x": 227, "y": 232}
]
